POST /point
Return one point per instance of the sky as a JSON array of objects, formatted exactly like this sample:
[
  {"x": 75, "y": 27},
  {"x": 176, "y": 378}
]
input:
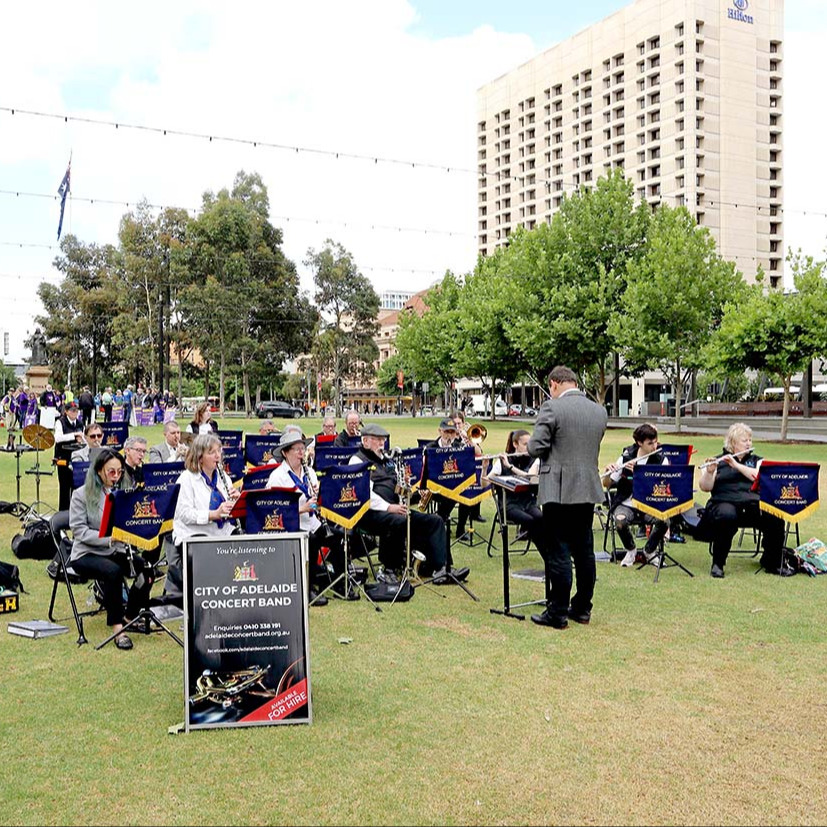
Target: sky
[{"x": 312, "y": 85}]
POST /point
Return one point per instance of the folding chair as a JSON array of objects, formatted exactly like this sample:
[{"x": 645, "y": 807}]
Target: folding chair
[
  {"x": 496, "y": 524},
  {"x": 59, "y": 528}
]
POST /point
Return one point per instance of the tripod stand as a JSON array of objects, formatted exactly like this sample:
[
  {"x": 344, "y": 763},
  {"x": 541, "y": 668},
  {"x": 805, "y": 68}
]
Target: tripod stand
[
  {"x": 663, "y": 560},
  {"x": 352, "y": 587},
  {"x": 448, "y": 566},
  {"x": 18, "y": 508}
]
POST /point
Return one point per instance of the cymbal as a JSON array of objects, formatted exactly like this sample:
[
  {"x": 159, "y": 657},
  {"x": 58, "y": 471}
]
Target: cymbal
[{"x": 38, "y": 437}]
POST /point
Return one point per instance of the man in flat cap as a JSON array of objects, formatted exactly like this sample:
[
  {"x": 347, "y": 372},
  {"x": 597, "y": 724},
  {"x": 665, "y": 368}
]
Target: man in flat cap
[{"x": 388, "y": 517}]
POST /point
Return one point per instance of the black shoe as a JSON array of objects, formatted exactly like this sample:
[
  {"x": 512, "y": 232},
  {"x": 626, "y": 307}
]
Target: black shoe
[
  {"x": 781, "y": 571},
  {"x": 123, "y": 642},
  {"x": 465, "y": 537},
  {"x": 440, "y": 577},
  {"x": 545, "y": 619},
  {"x": 314, "y": 599},
  {"x": 479, "y": 519},
  {"x": 462, "y": 573},
  {"x": 716, "y": 570},
  {"x": 580, "y": 617}
]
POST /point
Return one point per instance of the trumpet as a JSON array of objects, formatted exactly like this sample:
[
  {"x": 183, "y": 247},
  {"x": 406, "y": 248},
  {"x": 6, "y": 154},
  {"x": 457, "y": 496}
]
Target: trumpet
[{"x": 476, "y": 434}]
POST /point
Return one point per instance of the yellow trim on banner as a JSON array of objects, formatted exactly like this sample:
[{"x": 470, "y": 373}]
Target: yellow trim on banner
[
  {"x": 335, "y": 518},
  {"x": 451, "y": 493},
  {"x": 663, "y": 515},
  {"x": 474, "y": 500},
  {"x": 141, "y": 542},
  {"x": 790, "y": 518}
]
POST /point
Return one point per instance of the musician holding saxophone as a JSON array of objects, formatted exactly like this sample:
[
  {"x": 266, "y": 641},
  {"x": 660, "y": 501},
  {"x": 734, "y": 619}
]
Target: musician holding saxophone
[
  {"x": 618, "y": 476},
  {"x": 295, "y": 473},
  {"x": 729, "y": 478},
  {"x": 171, "y": 449}
]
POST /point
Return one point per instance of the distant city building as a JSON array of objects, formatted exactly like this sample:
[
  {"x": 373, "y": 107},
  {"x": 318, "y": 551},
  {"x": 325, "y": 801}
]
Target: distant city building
[
  {"x": 685, "y": 96},
  {"x": 394, "y": 299}
]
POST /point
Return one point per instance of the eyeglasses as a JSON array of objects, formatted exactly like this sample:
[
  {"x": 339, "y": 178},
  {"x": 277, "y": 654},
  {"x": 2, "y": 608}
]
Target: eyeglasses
[
  {"x": 114, "y": 472},
  {"x": 95, "y": 436},
  {"x": 138, "y": 450}
]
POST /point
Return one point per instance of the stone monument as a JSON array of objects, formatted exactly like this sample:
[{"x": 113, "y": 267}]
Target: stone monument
[{"x": 39, "y": 372}]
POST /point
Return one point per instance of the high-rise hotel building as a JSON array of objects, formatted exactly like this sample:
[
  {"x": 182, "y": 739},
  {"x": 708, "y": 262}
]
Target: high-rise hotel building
[{"x": 684, "y": 95}]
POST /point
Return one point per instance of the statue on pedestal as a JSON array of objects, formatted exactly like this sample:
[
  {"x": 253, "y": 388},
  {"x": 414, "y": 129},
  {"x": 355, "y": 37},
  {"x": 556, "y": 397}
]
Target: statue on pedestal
[{"x": 38, "y": 348}]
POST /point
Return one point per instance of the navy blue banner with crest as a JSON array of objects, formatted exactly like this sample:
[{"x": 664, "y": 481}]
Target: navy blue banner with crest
[
  {"x": 234, "y": 464},
  {"x": 788, "y": 490},
  {"x": 275, "y": 509},
  {"x": 677, "y": 454},
  {"x": 329, "y": 455},
  {"x": 230, "y": 439},
  {"x": 344, "y": 493},
  {"x": 413, "y": 459},
  {"x": 476, "y": 492},
  {"x": 79, "y": 469},
  {"x": 139, "y": 517},
  {"x": 256, "y": 478},
  {"x": 260, "y": 449},
  {"x": 663, "y": 490},
  {"x": 158, "y": 476},
  {"x": 449, "y": 471},
  {"x": 114, "y": 434}
]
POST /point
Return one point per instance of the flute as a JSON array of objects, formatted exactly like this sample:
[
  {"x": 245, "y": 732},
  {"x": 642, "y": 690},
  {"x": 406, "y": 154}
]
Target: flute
[
  {"x": 721, "y": 459},
  {"x": 634, "y": 461}
]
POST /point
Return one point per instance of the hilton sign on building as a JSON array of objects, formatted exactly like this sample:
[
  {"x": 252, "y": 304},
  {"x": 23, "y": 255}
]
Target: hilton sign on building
[{"x": 684, "y": 95}]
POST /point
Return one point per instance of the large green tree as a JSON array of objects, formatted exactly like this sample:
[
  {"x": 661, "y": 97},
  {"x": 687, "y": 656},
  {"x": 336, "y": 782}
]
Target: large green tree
[
  {"x": 675, "y": 296},
  {"x": 349, "y": 307}
]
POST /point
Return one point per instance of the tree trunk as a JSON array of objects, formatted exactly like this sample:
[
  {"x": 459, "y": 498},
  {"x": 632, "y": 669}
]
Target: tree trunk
[
  {"x": 221, "y": 379},
  {"x": 785, "y": 409},
  {"x": 678, "y": 388}
]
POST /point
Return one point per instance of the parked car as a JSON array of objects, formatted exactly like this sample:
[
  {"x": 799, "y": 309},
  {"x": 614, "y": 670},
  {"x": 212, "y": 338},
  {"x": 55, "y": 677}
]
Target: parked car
[
  {"x": 275, "y": 409},
  {"x": 517, "y": 410}
]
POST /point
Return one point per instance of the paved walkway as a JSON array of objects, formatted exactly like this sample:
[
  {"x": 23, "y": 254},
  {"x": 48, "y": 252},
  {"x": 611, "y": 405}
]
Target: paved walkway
[{"x": 766, "y": 428}]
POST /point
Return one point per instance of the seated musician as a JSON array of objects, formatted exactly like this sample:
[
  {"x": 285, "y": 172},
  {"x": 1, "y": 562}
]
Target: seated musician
[
  {"x": 171, "y": 449},
  {"x": 134, "y": 451},
  {"x": 619, "y": 476},
  {"x": 733, "y": 503},
  {"x": 294, "y": 473},
  {"x": 388, "y": 517},
  {"x": 266, "y": 428},
  {"x": 93, "y": 434},
  {"x": 329, "y": 426},
  {"x": 521, "y": 506},
  {"x": 102, "y": 558},
  {"x": 449, "y": 437},
  {"x": 351, "y": 429},
  {"x": 68, "y": 439}
]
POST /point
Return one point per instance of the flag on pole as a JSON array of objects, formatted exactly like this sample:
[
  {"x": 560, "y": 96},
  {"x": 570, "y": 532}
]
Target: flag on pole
[{"x": 63, "y": 191}]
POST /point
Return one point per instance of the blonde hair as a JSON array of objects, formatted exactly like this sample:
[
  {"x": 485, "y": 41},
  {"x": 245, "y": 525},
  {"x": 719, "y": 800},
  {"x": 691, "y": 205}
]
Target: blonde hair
[
  {"x": 737, "y": 430},
  {"x": 201, "y": 445}
]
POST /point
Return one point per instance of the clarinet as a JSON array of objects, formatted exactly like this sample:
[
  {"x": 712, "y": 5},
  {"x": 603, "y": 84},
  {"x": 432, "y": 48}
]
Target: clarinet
[
  {"x": 227, "y": 485},
  {"x": 328, "y": 531}
]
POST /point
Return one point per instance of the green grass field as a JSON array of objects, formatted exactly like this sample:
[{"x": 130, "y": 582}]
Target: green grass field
[{"x": 689, "y": 701}]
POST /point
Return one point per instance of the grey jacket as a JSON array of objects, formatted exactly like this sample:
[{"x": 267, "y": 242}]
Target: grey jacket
[
  {"x": 567, "y": 438},
  {"x": 86, "y": 528}
]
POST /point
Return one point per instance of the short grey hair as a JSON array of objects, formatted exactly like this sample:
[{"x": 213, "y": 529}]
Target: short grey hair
[{"x": 132, "y": 441}]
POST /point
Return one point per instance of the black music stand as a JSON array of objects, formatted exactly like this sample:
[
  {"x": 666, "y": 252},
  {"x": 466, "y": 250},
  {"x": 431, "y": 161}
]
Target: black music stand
[
  {"x": 663, "y": 560},
  {"x": 18, "y": 508},
  {"x": 506, "y": 484}
]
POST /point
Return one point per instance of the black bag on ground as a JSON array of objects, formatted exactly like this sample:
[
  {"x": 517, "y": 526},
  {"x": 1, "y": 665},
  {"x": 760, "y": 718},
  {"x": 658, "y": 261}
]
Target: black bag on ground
[
  {"x": 10, "y": 577},
  {"x": 35, "y": 543},
  {"x": 386, "y": 592}
]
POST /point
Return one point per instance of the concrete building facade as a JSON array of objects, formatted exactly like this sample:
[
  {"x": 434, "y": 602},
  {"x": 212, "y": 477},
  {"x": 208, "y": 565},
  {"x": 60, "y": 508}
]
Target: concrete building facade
[{"x": 684, "y": 95}]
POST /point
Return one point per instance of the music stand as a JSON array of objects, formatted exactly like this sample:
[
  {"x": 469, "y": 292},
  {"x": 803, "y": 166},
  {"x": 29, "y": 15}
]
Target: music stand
[
  {"x": 506, "y": 484},
  {"x": 663, "y": 560},
  {"x": 18, "y": 508},
  {"x": 41, "y": 439}
]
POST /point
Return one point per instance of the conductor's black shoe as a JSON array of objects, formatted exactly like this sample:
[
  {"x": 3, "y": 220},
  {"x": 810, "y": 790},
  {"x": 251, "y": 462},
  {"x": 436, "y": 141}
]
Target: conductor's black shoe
[
  {"x": 545, "y": 619},
  {"x": 315, "y": 600},
  {"x": 580, "y": 617},
  {"x": 716, "y": 570}
]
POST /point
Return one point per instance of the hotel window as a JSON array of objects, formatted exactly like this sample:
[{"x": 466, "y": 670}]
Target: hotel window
[{"x": 679, "y": 30}]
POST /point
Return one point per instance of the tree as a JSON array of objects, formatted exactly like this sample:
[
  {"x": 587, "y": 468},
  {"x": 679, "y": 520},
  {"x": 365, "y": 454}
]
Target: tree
[
  {"x": 675, "y": 295},
  {"x": 349, "y": 306},
  {"x": 775, "y": 332}
]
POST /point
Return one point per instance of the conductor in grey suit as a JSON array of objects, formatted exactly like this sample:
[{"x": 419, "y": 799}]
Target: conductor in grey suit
[{"x": 567, "y": 439}]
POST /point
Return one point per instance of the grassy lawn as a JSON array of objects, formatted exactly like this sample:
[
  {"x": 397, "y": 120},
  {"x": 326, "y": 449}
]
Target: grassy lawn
[{"x": 689, "y": 701}]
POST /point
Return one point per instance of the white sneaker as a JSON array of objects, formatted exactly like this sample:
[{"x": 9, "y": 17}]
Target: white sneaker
[
  {"x": 650, "y": 555},
  {"x": 629, "y": 558}
]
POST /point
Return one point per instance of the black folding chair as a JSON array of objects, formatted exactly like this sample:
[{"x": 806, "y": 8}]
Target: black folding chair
[{"x": 63, "y": 572}]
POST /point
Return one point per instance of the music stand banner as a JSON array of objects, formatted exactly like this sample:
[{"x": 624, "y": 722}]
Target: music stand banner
[
  {"x": 324, "y": 439},
  {"x": 230, "y": 439},
  {"x": 663, "y": 490},
  {"x": 256, "y": 478},
  {"x": 114, "y": 434},
  {"x": 328, "y": 456},
  {"x": 79, "y": 469},
  {"x": 788, "y": 490},
  {"x": 246, "y": 653},
  {"x": 273, "y": 509},
  {"x": 138, "y": 517},
  {"x": 412, "y": 460},
  {"x": 449, "y": 471},
  {"x": 259, "y": 449},
  {"x": 158, "y": 476},
  {"x": 344, "y": 494},
  {"x": 476, "y": 492},
  {"x": 234, "y": 464},
  {"x": 677, "y": 454}
]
